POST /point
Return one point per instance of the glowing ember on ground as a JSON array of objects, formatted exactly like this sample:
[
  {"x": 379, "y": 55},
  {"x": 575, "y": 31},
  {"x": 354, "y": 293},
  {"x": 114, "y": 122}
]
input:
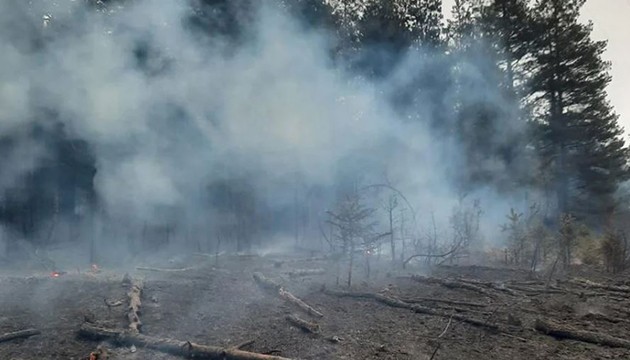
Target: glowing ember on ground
[{"x": 56, "y": 274}]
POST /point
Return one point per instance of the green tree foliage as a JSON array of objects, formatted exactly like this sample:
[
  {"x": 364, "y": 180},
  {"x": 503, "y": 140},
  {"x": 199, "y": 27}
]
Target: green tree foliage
[{"x": 580, "y": 142}]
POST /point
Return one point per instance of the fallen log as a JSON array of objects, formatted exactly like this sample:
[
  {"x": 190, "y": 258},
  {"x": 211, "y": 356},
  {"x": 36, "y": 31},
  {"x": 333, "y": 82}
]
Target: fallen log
[
  {"x": 390, "y": 301},
  {"x": 307, "y": 326},
  {"x": 452, "y": 284},
  {"x": 537, "y": 291},
  {"x": 491, "y": 285},
  {"x": 594, "y": 285},
  {"x": 19, "y": 334},
  {"x": 429, "y": 256},
  {"x": 266, "y": 283},
  {"x": 299, "y": 303},
  {"x": 420, "y": 300},
  {"x": 560, "y": 332},
  {"x": 276, "y": 288},
  {"x": 306, "y": 272},
  {"x": 242, "y": 345},
  {"x": 185, "y": 349},
  {"x": 133, "y": 311},
  {"x": 602, "y": 317}
]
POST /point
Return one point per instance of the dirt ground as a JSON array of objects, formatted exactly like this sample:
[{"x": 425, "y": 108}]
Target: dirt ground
[{"x": 219, "y": 304}]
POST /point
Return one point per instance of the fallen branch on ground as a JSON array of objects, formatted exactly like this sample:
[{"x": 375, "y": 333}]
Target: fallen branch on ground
[
  {"x": 594, "y": 285},
  {"x": 242, "y": 345},
  {"x": 271, "y": 285},
  {"x": 490, "y": 284},
  {"x": 419, "y": 300},
  {"x": 133, "y": 311},
  {"x": 416, "y": 308},
  {"x": 170, "y": 346},
  {"x": 307, "y": 326},
  {"x": 537, "y": 291},
  {"x": 429, "y": 256},
  {"x": 452, "y": 284},
  {"x": 265, "y": 282},
  {"x": 560, "y": 332},
  {"x": 19, "y": 334},
  {"x": 602, "y": 317},
  {"x": 299, "y": 303}
]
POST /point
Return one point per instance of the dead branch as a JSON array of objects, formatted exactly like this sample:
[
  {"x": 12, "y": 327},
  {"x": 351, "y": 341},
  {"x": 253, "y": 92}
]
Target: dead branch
[
  {"x": 602, "y": 317},
  {"x": 469, "y": 268},
  {"x": 537, "y": 291},
  {"x": 491, "y": 285},
  {"x": 242, "y": 345},
  {"x": 276, "y": 288},
  {"x": 446, "y": 328},
  {"x": 307, "y": 326},
  {"x": 452, "y": 284},
  {"x": 561, "y": 332},
  {"x": 266, "y": 283},
  {"x": 185, "y": 349},
  {"x": 306, "y": 272},
  {"x": 430, "y": 255},
  {"x": 419, "y": 300},
  {"x": 299, "y": 303},
  {"x": 19, "y": 335},
  {"x": 393, "y": 302},
  {"x": 594, "y": 285},
  {"x": 133, "y": 311}
]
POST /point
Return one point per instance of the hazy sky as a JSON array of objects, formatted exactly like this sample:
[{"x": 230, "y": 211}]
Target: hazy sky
[{"x": 611, "y": 19}]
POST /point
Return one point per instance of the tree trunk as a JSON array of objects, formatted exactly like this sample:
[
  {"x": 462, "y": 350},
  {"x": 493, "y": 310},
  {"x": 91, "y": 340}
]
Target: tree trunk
[
  {"x": 560, "y": 332},
  {"x": 19, "y": 335},
  {"x": 185, "y": 349}
]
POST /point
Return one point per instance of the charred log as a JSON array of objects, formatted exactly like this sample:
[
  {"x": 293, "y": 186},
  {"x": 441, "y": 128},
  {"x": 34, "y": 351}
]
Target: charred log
[
  {"x": 185, "y": 349},
  {"x": 133, "y": 311},
  {"x": 563, "y": 332},
  {"x": 19, "y": 335},
  {"x": 272, "y": 286},
  {"x": 452, "y": 284},
  {"x": 390, "y": 301},
  {"x": 306, "y": 326}
]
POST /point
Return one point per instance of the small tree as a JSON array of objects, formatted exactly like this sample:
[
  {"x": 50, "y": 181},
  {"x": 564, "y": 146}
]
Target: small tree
[
  {"x": 465, "y": 225},
  {"x": 567, "y": 239},
  {"x": 390, "y": 205},
  {"x": 525, "y": 234},
  {"x": 614, "y": 250},
  {"x": 353, "y": 227}
]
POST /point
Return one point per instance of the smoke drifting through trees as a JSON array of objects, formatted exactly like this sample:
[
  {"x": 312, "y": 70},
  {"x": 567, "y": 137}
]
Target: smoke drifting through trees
[{"x": 140, "y": 122}]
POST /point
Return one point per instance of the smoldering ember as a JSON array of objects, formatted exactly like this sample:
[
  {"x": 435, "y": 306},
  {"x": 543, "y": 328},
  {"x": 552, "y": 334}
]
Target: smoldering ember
[{"x": 310, "y": 179}]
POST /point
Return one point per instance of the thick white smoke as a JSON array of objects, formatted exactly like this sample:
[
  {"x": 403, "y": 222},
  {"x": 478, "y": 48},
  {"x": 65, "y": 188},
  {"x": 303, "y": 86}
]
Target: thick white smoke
[{"x": 200, "y": 111}]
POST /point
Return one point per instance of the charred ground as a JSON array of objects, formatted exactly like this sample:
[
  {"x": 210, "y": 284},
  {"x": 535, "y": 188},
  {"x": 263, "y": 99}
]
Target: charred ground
[{"x": 220, "y": 304}]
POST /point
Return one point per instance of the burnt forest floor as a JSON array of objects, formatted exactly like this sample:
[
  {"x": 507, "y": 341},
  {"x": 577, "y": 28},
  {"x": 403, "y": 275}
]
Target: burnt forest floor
[{"x": 218, "y": 303}]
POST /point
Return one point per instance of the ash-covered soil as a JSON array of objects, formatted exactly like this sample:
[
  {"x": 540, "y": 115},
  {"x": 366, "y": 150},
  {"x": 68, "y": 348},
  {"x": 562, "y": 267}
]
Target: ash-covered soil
[{"x": 219, "y": 304}]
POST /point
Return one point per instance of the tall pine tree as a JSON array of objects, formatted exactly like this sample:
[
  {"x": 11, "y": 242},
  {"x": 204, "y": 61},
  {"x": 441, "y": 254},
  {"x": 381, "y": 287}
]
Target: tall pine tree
[{"x": 581, "y": 142}]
